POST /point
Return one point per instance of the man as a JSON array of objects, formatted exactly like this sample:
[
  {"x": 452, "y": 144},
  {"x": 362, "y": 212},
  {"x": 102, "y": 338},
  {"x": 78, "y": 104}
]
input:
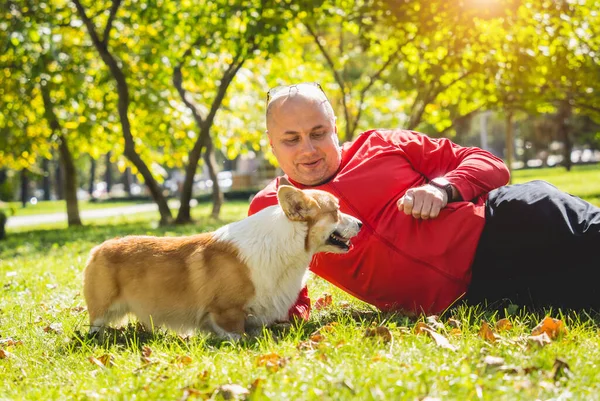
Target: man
[{"x": 438, "y": 221}]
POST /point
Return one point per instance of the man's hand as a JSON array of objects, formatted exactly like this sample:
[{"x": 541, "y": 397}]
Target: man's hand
[{"x": 423, "y": 202}]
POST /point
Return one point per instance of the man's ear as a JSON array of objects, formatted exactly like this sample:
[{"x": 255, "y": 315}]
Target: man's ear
[{"x": 296, "y": 205}]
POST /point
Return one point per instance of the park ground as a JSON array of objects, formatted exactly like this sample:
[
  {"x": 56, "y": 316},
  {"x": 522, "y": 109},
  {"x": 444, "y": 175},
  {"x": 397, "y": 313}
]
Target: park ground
[{"x": 347, "y": 350}]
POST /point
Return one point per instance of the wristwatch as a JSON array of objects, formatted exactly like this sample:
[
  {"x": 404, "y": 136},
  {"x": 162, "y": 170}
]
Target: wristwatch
[{"x": 444, "y": 185}]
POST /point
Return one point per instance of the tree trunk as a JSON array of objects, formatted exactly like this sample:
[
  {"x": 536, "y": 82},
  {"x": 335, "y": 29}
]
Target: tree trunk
[
  {"x": 509, "y": 142},
  {"x": 66, "y": 159},
  {"x": 92, "y": 176},
  {"x": 108, "y": 174},
  {"x": 123, "y": 105},
  {"x": 127, "y": 181},
  {"x": 46, "y": 179},
  {"x": 24, "y": 188},
  {"x": 564, "y": 131},
  {"x": 211, "y": 164},
  {"x": 58, "y": 182}
]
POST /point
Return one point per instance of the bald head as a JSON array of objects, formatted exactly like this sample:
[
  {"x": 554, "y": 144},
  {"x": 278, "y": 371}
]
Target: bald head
[{"x": 296, "y": 96}]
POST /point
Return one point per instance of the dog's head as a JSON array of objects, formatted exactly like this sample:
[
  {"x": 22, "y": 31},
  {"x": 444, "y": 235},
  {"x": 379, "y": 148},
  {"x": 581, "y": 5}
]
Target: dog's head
[{"x": 329, "y": 230}]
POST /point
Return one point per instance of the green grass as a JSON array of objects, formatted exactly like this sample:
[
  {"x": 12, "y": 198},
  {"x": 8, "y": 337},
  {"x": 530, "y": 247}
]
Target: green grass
[
  {"x": 583, "y": 180},
  {"x": 43, "y": 325},
  {"x": 46, "y": 207}
]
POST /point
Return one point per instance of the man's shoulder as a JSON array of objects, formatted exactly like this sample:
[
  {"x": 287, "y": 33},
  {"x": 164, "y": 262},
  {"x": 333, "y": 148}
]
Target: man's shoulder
[{"x": 265, "y": 197}]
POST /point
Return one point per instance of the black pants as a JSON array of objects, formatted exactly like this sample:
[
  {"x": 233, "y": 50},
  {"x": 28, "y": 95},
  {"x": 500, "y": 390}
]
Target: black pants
[{"x": 539, "y": 247}]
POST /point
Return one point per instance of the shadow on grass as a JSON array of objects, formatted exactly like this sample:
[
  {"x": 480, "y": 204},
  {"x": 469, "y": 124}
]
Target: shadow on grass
[{"x": 42, "y": 240}]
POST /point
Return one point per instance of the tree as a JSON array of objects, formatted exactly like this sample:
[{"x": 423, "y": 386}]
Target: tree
[{"x": 101, "y": 43}]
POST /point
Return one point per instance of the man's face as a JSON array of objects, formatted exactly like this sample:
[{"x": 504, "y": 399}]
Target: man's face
[{"x": 304, "y": 139}]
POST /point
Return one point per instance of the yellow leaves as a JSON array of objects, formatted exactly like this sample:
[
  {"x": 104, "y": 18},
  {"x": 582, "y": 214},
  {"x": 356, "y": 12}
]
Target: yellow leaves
[
  {"x": 440, "y": 340},
  {"x": 105, "y": 361},
  {"x": 381, "y": 332},
  {"x": 272, "y": 361},
  {"x": 324, "y": 301},
  {"x": 554, "y": 328},
  {"x": 487, "y": 334},
  {"x": 182, "y": 360},
  {"x": 503, "y": 325}
]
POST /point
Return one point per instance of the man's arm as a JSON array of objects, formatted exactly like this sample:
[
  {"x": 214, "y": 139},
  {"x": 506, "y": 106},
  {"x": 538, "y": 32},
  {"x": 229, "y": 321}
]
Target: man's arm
[
  {"x": 265, "y": 198},
  {"x": 454, "y": 172}
]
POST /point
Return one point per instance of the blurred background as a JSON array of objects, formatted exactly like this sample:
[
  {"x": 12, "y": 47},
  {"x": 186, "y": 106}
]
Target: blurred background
[{"x": 163, "y": 101}]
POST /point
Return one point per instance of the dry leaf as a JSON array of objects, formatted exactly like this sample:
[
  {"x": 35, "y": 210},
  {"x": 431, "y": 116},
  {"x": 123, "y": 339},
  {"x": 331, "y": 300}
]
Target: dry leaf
[
  {"x": 10, "y": 342},
  {"x": 541, "y": 340},
  {"x": 183, "y": 359},
  {"x": 503, "y": 325},
  {"x": 456, "y": 332},
  {"x": 96, "y": 362},
  {"x": 322, "y": 302},
  {"x": 493, "y": 361},
  {"x": 146, "y": 351},
  {"x": 316, "y": 338},
  {"x": 454, "y": 323},
  {"x": 189, "y": 392},
  {"x": 420, "y": 328},
  {"x": 434, "y": 323},
  {"x": 440, "y": 340},
  {"x": 232, "y": 391},
  {"x": 55, "y": 328},
  {"x": 4, "y": 354},
  {"x": 379, "y": 332},
  {"x": 107, "y": 360},
  {"x": 486, "y": 333},
  {"x": 272, "y": 361},
  {"x": 553, "y": 327},
  {"x": 327, "y": 328}
]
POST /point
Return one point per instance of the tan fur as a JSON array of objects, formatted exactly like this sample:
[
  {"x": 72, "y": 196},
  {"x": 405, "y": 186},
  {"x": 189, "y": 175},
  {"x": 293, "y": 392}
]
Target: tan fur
[{"x": 185, "y": 274}]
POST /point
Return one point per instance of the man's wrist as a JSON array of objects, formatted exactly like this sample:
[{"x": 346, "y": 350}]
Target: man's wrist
[{"x": 444, "y": 185}]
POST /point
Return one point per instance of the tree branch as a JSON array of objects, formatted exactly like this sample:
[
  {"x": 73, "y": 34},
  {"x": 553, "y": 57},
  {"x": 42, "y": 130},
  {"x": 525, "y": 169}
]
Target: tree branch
[{"x": 113, "y": 12}]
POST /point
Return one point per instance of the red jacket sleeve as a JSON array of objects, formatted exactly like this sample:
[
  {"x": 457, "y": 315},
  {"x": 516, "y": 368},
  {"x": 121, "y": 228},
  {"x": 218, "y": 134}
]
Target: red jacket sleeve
[
  {"x": 473, "y": 171},
  {"x": 265, "y": 198}
]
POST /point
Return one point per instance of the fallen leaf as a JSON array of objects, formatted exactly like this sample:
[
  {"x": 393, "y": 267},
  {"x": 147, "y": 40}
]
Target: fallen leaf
[
  {"x": 420, "y": 327},
  {"x": 78, "y": 309},
  {"x": 323, "y": 301},
  {"x": 328, "y": 328},
  {"x": 561, "y": 369},
  {"x": 440, "y": 340},
  {"x": 272, "y": 361},
  {"x": 540, "y": 340},
  {"x": 486, "y": 333},
  {"x": 232, "y": 391},
  {"x": 107, "y": 360},
  {"x": 454, "y": 323},
  {"x": 96, "y": 362},
  {"x": 146, "y": 351},
  {"x": 55, "y": 328},
  {"x": 10, "y": 342},
  {"x": 553, "y": 327},
  {"x": 456, "y": 332},
  {"x": 4, "y": 354},
  {"x": 434, "y": 323},
  {"x": 503, "y": 325},
  {"x": 493, "y": 361},
  {"x": 258, "y": 382},
  {"x": 183, "y": 360},
  {"x": 344, "y": 304},
  {"x": 317, "y": 338},
  {"x": 189, "y": 392},
  {"x": 379, "y": 332}
]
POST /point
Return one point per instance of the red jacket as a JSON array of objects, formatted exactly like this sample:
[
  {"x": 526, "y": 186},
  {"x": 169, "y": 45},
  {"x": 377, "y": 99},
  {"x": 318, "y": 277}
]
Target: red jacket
[{"x": 397, "y": 261}]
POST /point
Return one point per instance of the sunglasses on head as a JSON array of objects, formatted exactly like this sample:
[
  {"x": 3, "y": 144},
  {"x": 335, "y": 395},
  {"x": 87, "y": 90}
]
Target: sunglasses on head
[{"x": 277, "y": 89}]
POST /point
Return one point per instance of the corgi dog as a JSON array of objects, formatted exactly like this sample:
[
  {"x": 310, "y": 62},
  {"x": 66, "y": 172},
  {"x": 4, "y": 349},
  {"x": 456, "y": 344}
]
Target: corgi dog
[{"x": 240, "y": 277}]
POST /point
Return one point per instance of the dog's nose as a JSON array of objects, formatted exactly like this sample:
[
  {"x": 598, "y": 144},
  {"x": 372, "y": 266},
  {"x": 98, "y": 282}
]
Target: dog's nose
[{"x": 359, "y": 225}]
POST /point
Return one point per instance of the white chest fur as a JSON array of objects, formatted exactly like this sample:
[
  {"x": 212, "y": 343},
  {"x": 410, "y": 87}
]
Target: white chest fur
[{"x": 273, "y": 248}]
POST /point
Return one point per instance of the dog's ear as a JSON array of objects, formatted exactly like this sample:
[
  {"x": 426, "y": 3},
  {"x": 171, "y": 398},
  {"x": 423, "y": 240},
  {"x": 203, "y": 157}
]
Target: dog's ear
[{"x": 296, "y": 205}]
